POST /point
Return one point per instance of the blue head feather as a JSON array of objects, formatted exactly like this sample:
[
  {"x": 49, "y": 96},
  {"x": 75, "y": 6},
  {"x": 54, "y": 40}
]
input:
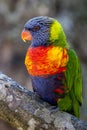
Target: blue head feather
[{"x": 39, "y": 28}]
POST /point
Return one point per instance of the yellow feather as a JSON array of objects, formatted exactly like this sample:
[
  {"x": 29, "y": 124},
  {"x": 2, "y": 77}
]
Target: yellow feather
[{"x": 55, "y": 30}]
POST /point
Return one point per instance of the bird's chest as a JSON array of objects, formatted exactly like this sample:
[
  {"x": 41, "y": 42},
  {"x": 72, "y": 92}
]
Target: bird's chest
[{"x": 42, "y": 61}]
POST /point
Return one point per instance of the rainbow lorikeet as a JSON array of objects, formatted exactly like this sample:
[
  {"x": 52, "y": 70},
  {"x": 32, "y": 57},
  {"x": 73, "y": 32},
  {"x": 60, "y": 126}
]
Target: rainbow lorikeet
[{"x": 53, "y": 66}]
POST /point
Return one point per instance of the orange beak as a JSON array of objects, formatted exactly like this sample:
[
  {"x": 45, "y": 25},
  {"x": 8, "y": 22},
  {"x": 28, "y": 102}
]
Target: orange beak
[{"x": 26, "y": 36}]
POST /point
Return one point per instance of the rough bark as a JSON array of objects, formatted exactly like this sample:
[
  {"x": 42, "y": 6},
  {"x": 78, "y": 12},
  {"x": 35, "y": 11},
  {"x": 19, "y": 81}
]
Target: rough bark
[{"x": 25, "y": 111}]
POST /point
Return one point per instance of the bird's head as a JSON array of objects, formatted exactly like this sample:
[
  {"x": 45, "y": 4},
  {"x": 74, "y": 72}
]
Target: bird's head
[{"x": 44, "y": 31}]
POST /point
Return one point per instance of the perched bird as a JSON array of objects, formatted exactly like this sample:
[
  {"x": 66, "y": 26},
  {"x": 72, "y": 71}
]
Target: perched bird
[{"x": 53, "y": 66}]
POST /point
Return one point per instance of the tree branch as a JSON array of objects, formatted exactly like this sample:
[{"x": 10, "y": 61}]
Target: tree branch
[{"x": 25, "y": 111}]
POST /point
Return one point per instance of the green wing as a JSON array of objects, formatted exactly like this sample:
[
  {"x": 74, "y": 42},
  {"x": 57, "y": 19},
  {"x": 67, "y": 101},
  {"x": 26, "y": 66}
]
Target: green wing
[{"x": 73, "y": 98}]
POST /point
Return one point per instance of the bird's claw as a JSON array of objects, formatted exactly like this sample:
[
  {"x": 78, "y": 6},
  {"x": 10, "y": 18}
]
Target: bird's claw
[{"x": 53, "y": 108}]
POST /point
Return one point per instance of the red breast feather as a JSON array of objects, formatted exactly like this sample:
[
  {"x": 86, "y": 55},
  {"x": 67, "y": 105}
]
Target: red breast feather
[{"x": 41, "y": 61}]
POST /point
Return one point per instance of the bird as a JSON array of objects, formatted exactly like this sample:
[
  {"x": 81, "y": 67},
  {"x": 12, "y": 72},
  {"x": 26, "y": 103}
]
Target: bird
[{"x": 53, "y": 66}]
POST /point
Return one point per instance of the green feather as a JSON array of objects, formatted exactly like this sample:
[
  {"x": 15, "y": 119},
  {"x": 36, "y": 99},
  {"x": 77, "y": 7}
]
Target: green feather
[
  {"x": 73, "y": 98},
  {"x": 65, "y": 104},
  {"x": 57, "y": 35}
]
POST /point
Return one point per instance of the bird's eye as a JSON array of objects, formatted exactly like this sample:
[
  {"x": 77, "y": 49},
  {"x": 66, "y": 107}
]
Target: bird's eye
[{"x": 36, "y": 28}]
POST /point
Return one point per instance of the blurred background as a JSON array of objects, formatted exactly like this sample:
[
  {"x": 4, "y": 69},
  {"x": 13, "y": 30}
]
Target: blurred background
[{"x": 14, "y": 13}]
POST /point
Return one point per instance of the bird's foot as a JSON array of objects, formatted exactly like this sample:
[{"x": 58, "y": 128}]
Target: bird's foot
[{"x": 53, "y": 109}]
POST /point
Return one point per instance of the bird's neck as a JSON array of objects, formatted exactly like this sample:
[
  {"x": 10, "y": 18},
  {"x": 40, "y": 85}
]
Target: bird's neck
[{"x": 57, "y": 36}]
